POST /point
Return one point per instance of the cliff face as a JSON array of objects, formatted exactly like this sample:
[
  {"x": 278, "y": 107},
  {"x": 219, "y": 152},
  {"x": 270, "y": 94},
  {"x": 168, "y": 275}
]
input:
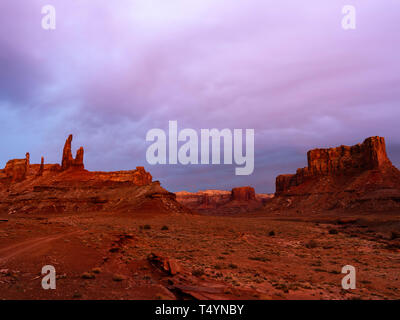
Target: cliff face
[
  {"x": 343, "y": 160},
  {"x": 49, "y": 188},
  {"x": 345, "y": 177},
  {"x": 371, "y": 154}
]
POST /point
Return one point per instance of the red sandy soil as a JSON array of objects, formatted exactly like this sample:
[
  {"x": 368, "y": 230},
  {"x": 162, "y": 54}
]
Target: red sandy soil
[{"x": 214, "y": 257}]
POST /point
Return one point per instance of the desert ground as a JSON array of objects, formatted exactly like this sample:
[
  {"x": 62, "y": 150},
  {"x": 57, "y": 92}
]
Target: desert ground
[{"x": 104, "y": 255}]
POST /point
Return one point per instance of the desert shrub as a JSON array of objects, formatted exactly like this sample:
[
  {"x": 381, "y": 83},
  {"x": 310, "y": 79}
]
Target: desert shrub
[
  {"x": 198, "y": 272},
  {"x": 96, "y": 270},
  {"x": 87, "y": 275},
  {"x": 271, "y": 233},
  {"x": 281, "y": 286},
  {"x": 164, "y": 228},
  {"x": 394, "y": 235},
  {"x": 232, "y": 266},
  {"x": 311, "y": 244},
  {"x": 258, "y": 258},
  {"x": 118, "y": 277}
]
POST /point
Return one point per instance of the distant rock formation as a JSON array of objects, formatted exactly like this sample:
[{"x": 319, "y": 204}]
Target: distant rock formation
[
  {"x": 51, "y": 188},
  {"x": 359, "y": 176},
  {"x": 203, "y": 200},
  {"x": 67, "y": 160},
  {"x": 243, "y": 194},
  {"x": 241, "y": 199}
]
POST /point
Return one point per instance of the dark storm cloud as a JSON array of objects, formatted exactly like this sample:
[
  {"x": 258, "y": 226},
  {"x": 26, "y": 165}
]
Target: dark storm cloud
[{"x": 111, "y": 71}]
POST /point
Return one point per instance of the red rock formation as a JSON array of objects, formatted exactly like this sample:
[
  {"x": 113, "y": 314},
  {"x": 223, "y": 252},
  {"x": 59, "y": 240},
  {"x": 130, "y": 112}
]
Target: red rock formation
[
  {"x": 203, "y": 200},
  {"x": 48, "y": 188},
  {"x": 340, "y": 176},
  {"x": 17, "y": 169},
  {"x": 141, "y": 177},
  {"x": 370, "y": 154},
  {"x": 41, "y": 168},
  {"x": 78, "y": 162},
  {"x": 242, "y": 199},
  {"x": 67, "y": 160},
  {"x": 243, "y": 194},
  {"x": 343, "y": 160}
]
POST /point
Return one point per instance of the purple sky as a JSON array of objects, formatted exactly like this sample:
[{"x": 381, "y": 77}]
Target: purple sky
[{"x": 112, "y": 70}]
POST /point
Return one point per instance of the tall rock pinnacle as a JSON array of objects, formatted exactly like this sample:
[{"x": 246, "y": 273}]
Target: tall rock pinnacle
[{"x": 67, "y": 160}]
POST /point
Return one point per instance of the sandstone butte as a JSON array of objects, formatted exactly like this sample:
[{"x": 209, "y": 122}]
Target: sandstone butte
[
  {"x": 55, "y": 188},
  {"x": 360, "y": 177}
]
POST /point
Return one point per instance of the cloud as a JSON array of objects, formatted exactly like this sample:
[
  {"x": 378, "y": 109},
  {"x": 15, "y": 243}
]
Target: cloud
[{"x": 111, "y": 71}]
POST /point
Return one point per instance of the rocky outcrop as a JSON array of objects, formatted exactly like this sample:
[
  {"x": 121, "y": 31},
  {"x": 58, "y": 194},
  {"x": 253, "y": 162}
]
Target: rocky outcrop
[
  {"x": 141, "y": 177},
  {"x": 17, "y": 169},
  {"x": 359, "y": 176},
  {"x": 51, "y": 188},
  {"x": 67, "y": 160}
]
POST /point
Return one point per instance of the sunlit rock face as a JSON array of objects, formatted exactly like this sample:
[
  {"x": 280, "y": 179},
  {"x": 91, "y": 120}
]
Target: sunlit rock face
[{"x": 360, "y": 176}]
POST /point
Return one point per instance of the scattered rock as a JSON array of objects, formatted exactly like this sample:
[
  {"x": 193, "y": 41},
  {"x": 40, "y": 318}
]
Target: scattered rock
[
  {"x": 170, "y": 266},
  {"x": 119, "y": 277},
  {"x": 88, "y": 275}
]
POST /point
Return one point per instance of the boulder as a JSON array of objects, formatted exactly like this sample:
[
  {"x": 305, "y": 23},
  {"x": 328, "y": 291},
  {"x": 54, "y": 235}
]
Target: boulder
[{"x": 169, "y": 266}]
